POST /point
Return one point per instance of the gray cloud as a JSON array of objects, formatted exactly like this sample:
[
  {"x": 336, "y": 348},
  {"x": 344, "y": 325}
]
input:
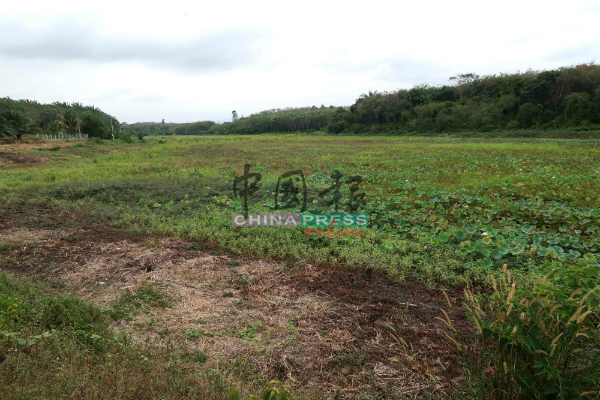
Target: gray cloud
[{"x": 68, "y": 40}]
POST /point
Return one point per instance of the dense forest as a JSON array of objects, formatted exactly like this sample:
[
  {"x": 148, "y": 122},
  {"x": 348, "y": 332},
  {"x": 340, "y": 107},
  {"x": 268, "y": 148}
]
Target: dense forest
[
  {"x": 568, "y": 97},
  {"x": 565, "y": 98},
  {"x": 25, "y": 117}
]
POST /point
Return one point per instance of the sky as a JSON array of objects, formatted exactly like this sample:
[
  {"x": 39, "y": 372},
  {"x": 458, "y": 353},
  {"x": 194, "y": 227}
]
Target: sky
[{"x": 186, "y": 61}]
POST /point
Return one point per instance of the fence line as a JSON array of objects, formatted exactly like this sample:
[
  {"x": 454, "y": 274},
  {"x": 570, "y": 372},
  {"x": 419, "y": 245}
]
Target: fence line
[{"x": 61, "y": 137}]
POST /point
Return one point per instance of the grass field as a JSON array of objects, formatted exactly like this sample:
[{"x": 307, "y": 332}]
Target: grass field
[{"x": 445, "y": 213}]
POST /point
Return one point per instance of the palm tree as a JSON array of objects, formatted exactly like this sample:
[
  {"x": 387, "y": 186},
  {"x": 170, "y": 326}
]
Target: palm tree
[
  {"x": 4, "y": 128},
  {"x": 54, "y": 127},
  {"x": 17, "y": 124},
  {"x": 69, "y": 121}
]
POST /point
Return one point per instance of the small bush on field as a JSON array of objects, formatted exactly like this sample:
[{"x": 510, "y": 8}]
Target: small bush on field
[
  {"x": 194, "y": 356},
  {"x": 352, "y": 358},
  {"x": 196, "y": 333},
  {"x": 127, "y": 139},
  {"x": 195, "y": 246},
  {"x": 10, "y": 308},
  {"x": 73, "y": 239},
  {"x": 275, "y": 390},
  {"x": 95, "y": 140},
  {"x": 70, "y": 312},
  {"x": 146, "y": 295},
  {"x": 544, "y": 336},
  {"x": 5, "y": 246}
]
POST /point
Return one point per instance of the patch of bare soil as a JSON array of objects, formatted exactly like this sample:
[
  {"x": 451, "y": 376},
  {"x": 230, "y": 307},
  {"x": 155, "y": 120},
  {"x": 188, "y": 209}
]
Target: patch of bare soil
[
  {"x": 7, "y": 157},
  {"x": 33, "y": 144},
  {"x": 350, "y": 333}
]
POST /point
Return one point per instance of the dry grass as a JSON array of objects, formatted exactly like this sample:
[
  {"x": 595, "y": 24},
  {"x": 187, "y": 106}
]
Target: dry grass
[{"x": 317, "y": 328}]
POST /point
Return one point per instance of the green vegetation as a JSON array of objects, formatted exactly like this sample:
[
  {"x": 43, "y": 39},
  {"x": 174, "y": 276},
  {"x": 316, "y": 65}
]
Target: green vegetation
[
  {"x": 299, "y": 119},
  {"x": 517, "y": 105},
  {"x": 45, "y": 335},
  {"x": 544, "y": 336},
  {"x": 21, "y": 117},
  {"x": 565, "y": 98},
  {"x": 130, "y": 303},
  {"x": 169, "y": 128},
  {"x": 275, "y": 390},
  {"x": 441, "y": 210},
  {"x": 14, "y": 123},
  {"x": 444, "y": 211}
]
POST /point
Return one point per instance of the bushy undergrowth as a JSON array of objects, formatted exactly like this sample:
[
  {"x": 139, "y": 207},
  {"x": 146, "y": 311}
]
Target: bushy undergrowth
[
  {"x": 131, "y": 303},
  {"x": 545, "y": 339}
]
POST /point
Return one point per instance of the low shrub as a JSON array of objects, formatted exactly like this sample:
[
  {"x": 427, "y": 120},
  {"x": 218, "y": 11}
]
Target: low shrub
[
  {"x": 95, "y": 140},
  {"x": 543, "y": 338}
]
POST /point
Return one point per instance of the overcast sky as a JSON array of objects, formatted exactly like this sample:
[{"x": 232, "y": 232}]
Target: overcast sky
[{"x": 190, "y": 61}]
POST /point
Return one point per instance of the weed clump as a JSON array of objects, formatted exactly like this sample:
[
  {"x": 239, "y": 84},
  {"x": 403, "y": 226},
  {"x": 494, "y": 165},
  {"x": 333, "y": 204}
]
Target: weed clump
[
  {"x": 194, "y": 356},
  {"x": 130, "y": 303},
  {"x": 544, "y": 338},
  {"x": 73, "y": 238}
]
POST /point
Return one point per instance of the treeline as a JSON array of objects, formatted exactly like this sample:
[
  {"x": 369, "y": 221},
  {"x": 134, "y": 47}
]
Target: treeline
[
  {"x": 23, "y": 117},
  {"x": 292, "y": 110},
  {"x": 568, "y": 97},
  {"x": 565, "y": 98},
  {"x": 298, "y": 119},
  {"x": 169, "y": 128},
  {"x": 286, "y": 120}
]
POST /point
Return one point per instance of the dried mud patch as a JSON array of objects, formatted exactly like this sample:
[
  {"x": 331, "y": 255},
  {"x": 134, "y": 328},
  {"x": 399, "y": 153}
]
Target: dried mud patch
[
  {"x": 353, "y": 333},
  {"x": 14, "y": 158},
  {"x": 41, "y": 144}
]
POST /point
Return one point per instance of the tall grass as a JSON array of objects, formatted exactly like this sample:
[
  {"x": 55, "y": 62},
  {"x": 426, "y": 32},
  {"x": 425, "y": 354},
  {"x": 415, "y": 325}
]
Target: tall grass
[{"x": 545, "y": 336}]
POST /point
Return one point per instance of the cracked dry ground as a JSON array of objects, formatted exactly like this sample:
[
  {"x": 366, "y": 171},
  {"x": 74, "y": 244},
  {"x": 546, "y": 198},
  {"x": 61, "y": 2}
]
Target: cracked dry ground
[{"x": 316, "y": 327}]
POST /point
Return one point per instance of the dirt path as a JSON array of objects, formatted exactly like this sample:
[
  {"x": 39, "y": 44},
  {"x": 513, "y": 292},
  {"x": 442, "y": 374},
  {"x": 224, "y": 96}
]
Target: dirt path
[{"x": 317, "y": 327}]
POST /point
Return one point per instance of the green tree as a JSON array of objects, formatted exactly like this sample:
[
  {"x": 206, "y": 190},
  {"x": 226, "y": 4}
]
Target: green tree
[
  {"x": 17, "y": 124},
  {"x": 527, "y": 115},
  {"x": 94, "y": 126},
  {"x": 54, "y": 127},
  {"x": 462, "y": 82},
  {"x": 70, "y": 122},
  {"x": 338, "y": 121},
  {"x": 4, "y": 128},
  {"x": 576, "y": 107}
]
